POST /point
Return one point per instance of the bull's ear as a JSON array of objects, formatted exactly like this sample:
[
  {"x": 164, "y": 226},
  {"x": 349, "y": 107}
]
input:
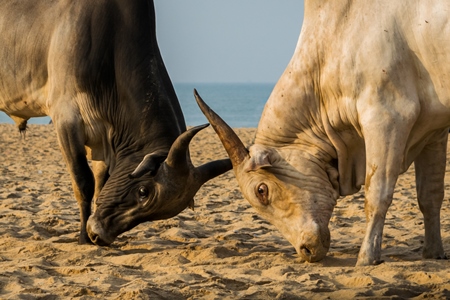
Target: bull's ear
[
  {"x": 258, "y": 159},
  {"x": 150, "y": 164}
]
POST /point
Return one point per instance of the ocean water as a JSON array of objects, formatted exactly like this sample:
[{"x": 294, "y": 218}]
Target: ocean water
[{"x": 239, "y": 104}]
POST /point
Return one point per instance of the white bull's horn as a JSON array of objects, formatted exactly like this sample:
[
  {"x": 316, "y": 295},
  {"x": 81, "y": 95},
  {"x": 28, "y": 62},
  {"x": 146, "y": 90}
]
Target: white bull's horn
[{"x": 233, "y": 145}]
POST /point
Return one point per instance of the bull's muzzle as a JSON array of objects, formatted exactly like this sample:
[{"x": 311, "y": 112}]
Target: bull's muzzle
[
  {"x": 313, "y": 246},
  {"x": 312, "y": 253},
  {"x": 97, "y": 234}
]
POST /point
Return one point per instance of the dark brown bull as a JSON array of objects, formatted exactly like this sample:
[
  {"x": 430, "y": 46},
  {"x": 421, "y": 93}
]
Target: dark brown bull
[{"x": 95, "y": 68}]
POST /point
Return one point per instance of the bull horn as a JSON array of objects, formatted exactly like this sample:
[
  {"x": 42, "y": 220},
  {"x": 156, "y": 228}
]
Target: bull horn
[
  {"x": 212, "y": 169},
  {"x": 233, "y": 145},
  {"x": 178, "y": 152}
]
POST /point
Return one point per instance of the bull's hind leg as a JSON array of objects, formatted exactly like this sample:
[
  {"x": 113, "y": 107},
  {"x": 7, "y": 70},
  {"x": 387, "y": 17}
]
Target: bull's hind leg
[
  {"x": 71, "y": 140},
  {"x": 430, "y": 173}
]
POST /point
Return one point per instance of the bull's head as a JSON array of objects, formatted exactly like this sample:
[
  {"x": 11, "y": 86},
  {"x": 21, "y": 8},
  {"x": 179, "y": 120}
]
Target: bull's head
[
  {"x": 290, "y": 188},
  {"x": 160, "y": 187}
]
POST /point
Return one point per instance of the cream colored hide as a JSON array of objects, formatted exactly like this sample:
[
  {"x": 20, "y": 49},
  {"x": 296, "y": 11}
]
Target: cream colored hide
[{"x": 365, "y": 95}]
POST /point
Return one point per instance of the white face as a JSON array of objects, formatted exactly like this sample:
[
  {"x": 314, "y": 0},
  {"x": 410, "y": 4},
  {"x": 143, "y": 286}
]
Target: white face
[
  {"x": 293, "y": 193},
  {"x": 291, "y": 186}
]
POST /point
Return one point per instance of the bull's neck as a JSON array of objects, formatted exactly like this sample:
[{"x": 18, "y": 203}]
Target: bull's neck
[
  {"x": 152, "y": 118},
  {"x": 145, "y": 124},
  {"x": 293, "y": 115}
]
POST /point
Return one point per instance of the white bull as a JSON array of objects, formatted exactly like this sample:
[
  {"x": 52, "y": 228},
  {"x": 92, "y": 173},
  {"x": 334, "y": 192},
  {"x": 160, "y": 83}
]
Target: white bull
[{"x": 365, "y": 95}]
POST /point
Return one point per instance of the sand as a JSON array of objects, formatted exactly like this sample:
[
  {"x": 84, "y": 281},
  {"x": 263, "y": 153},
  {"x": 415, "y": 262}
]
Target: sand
[{"x": 222, "y": 250}]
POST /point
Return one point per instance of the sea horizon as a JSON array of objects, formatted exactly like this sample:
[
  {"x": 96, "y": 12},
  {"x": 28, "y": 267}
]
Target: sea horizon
[{"x": 240, "y": 104}]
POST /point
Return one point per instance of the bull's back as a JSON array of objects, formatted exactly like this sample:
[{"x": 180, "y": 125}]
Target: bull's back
[{"x": 427, "y": 36}]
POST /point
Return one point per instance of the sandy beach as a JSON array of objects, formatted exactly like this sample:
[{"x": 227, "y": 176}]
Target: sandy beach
[{"x": 221, "y": 250}]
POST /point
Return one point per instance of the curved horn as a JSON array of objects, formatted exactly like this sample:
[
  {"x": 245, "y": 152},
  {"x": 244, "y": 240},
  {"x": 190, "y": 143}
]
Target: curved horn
[
  {"x": 177, "y": 154},
  {"x": 234, "y": 146},
  {"x": 213, "y": 169}
]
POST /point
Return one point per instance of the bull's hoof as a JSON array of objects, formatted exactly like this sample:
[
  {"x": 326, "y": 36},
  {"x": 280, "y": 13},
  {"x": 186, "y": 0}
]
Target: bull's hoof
[
  {"x": 364, "y": 263},
  {"x": 85, "y": 241},
  {"x": 377, "y": 262},
  {"x": 441, "y": 256},
  {"x": 430, "y": 254}
]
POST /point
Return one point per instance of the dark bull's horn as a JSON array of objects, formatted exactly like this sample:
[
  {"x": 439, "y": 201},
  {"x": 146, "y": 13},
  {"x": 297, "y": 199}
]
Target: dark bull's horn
[
  {"x": 178, "y": 157},
  {"x": 234, "y": 146},
  {"x": 179, "y": 160},
  {"x": 178, "y": 152}
]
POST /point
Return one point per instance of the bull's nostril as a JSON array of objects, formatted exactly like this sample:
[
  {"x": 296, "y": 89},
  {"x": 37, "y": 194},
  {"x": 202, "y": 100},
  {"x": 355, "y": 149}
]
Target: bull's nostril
[
  {"x": 94, "y": 238},
  {"x": 305, "y": 251},
  {"x": 97, "y": 240}
]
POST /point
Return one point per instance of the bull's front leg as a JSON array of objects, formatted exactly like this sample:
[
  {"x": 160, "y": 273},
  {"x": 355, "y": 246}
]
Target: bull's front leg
[
  {"x": 379, "y": 190},
  {"x": 71, "y": 140},
  {"x": 385, "y": 144},
  {"x": 430, "y": 173}
]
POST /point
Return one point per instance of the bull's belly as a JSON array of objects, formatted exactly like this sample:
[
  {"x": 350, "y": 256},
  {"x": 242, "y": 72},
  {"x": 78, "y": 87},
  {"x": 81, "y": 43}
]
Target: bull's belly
[
  {"x": 25, "y": 106},
  {"x": 425, "y": 131}
]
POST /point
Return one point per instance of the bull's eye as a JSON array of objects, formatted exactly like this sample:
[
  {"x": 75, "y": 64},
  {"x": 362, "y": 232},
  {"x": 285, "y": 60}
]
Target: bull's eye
[
  {"x": 262, "y": 192},
  {"x": 143, "y": 192}
]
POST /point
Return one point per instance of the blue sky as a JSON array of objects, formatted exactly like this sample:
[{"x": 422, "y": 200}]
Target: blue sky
[{"x": 227, "y": 40}]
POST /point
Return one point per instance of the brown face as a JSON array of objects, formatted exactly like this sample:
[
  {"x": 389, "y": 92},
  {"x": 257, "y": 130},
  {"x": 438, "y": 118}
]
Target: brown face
[
  {"x": 123, "y": 204},
  {"x": 158, "y": 188}
]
